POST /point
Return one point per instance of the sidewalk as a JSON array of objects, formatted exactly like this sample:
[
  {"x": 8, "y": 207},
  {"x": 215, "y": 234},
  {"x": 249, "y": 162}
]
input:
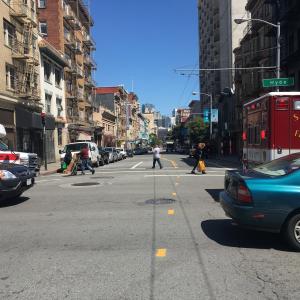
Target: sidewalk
[{"x": 51, "y": 169}]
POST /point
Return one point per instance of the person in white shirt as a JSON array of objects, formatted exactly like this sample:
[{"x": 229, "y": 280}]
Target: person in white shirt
[{"x": 156, "y": 157}]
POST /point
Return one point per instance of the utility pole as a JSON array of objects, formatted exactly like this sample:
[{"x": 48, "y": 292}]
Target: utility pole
[{"x": 43, "y": 117}]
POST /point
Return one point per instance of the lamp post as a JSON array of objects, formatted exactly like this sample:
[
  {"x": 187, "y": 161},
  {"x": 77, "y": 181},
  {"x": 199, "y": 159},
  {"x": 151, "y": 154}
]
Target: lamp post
[
  {"x": 210, "y": 118},
  {"x": 240, "y": 21}
]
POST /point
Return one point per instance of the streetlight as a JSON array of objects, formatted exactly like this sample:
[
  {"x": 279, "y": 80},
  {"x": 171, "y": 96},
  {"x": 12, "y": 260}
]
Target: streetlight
[
  {"x": 240, "y": 21},
  {"x": 210, "y": 99}
]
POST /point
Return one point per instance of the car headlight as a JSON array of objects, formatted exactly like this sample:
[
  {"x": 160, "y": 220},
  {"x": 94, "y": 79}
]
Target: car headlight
[{"x": 4, "y": 175}]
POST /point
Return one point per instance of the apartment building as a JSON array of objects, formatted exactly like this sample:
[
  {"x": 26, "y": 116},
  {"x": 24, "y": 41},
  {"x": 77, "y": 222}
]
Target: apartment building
[
  {"x": 66, "y": 24},
  {"x": 219, "y": 36},
  {"x": 20, "y": 104},
  {"x": 132, "y": 112},
  {"x": 114, "y": 99},
  {"x": 52, "y": 91},
  {"x": 288, "y": 13}
]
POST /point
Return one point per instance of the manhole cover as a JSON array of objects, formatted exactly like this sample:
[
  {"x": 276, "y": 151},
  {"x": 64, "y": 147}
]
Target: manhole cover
[
  {"x": 102, "y": 177},
  {"x": 85, "y": 184},
  {"x": 160, "y": 201}
]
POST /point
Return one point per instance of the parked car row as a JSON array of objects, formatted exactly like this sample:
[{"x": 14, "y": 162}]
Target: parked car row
[{"x": 99, "y": 156}]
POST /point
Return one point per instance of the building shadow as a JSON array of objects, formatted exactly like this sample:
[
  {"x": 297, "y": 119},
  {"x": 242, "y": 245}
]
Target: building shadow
[
  {"x": 214, "y": 193},
  {"x": 13, "y": 201},
  {"x": 225, "y": 233}
]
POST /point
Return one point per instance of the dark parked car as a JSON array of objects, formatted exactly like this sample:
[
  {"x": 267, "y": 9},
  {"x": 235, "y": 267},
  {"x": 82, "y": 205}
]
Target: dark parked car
[
  {"x": 14, "y": 180},
  {"x": 266, "y": 197},
  {"x": 129, "y": 153},
  {"x": 104, "y": 156}
]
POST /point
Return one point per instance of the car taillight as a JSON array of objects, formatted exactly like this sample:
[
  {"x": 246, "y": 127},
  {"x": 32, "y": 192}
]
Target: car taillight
[{"x": 244, "y": 195}]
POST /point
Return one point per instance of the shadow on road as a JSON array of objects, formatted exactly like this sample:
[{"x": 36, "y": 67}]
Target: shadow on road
[
  {"x": 13, "y": 202},
  {"x": 214, "y": 193},
  {"x": 225, "y": 233},
  {"x": 190, "y": 161}
]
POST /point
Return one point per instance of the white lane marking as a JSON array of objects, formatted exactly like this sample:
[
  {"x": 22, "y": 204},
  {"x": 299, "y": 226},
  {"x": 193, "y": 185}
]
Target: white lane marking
[
  {"x": 135, "y": 166},
  {"x": 185, "y": 175}
]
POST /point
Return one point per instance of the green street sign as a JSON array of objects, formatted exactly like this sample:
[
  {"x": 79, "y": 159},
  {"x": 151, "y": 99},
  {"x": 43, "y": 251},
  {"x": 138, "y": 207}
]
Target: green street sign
[{"x": 278, "y": 82}]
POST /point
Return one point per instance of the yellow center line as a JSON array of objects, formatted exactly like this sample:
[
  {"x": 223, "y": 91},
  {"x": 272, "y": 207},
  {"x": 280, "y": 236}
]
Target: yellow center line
[
  {"x": 171, "y": 212},
  {"x": 161, "y": 252},
  {"x": 172, "y": 162}
]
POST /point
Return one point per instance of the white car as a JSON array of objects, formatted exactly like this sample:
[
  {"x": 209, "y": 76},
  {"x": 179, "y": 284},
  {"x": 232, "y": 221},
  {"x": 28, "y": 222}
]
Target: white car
[
  {"x": 122, "y": 152},
  {"x": 76, "y": 148}
]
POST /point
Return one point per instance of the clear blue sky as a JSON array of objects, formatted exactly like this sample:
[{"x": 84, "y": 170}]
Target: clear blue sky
[{"x": 144, "y": 41}]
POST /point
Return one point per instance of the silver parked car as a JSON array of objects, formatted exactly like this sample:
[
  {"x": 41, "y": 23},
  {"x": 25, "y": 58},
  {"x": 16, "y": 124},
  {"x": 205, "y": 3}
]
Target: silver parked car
[{"x": 113, "y": 155}]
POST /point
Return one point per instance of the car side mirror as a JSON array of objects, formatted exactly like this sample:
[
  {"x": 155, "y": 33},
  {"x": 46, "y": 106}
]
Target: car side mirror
[{"x": 93, "y": 148}]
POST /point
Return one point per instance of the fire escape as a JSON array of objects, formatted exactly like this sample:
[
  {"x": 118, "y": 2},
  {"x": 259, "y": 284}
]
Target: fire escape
[{"x": 24, "y": 51}]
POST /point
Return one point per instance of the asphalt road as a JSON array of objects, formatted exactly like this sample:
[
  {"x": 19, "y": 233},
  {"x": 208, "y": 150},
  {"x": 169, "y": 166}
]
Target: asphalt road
[{"x": 137, "y": 233}]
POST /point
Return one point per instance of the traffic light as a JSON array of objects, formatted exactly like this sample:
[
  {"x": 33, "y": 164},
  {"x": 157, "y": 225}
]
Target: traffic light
[{"x": 43, "y": 117}]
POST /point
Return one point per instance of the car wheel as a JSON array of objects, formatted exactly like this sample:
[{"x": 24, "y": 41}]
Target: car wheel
[
  {"x": 292, "y": 232},
  {"x": 97, "y": 163}
]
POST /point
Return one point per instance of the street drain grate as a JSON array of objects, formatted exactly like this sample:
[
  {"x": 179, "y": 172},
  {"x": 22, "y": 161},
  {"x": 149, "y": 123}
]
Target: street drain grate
[
  {"x": 85, "y": 184},
  {"x": 160, "y": 201},
  {"x": 102, "y": 177}
]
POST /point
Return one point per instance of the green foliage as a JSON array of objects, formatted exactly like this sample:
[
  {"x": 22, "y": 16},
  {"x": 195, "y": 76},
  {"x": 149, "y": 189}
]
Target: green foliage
[
  {"x": 198, "y": 131},
  {"x": 154, "y": 140}
]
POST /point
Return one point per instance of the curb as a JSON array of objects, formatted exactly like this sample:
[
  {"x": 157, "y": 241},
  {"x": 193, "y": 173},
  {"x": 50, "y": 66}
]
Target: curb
[{"x": 44, "y": 173}]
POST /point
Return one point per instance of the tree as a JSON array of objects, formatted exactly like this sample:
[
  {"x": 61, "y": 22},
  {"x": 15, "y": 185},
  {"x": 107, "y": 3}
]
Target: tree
[
  {"x": 198, "y": 131},
  {"x": 154, "y": 140}
]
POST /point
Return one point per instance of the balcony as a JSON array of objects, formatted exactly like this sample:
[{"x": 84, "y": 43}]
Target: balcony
[
  {"x": 79, "y": 72},
  {"x": 21, "y": 11},
  {"x": 80, "y": 94},
  {"x": 68, "y": 13},
  {"x": 71, "y": 68},
  {"x": 89, "y": 82},
  {"x": 89, "y": 61},
  {"x": 24, "y": 51},
  {"x": 69, "y": 40},
  {"x": 88, "y": 40},
  {"x": 76, "y": 25},
  {"x": 77, "y": 48}
]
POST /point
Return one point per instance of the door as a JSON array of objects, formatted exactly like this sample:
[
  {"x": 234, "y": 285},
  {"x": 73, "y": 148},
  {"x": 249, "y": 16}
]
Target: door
[{"x": 281, "y": 124}]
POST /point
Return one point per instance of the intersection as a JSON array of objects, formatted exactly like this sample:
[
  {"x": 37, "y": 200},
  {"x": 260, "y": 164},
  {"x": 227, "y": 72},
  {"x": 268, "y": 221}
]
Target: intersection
[{"x": 130, "y": 232}]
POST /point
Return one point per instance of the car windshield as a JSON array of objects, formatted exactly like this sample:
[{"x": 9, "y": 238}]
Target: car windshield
[
  {"x": 109, "y": 149},
  {"x": 74, "y": 147},
  {"x": 3, "y": 147},
  {"x": 281, "y": 166}
]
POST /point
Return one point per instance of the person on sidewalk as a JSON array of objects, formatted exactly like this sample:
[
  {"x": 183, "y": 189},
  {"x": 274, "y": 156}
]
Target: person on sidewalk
[
  {"x": 85, "y": 160},
  {"x": 199, "y": 156},
  {"x": 156, "y": 157}
]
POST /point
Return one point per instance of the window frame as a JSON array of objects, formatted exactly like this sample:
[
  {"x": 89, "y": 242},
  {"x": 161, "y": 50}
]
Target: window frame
[
  {"x": 45, "y": 24},
  {"x": 39, "y": 4},
  {"x": 10, "y": 84}
]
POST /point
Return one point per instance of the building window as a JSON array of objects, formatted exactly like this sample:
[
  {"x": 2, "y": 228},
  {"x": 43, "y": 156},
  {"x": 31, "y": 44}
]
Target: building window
[
  {"x": 59, "y": 107},
  {"x": 42, "y": 3},
  {"x": 10, "y": 77},
  {"x": 48, "y": 99},
  {"x": 47, "y": 71},
  {"x": 9, "y": 33},
  {"x": 43, "y": 28},
  {"x": 58, "y": 76},
  {"x": 59, "y": 136}
]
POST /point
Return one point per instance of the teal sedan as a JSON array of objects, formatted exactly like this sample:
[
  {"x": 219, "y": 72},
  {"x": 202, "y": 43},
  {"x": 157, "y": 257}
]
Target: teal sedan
[{"x": 266, "y": 198}]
